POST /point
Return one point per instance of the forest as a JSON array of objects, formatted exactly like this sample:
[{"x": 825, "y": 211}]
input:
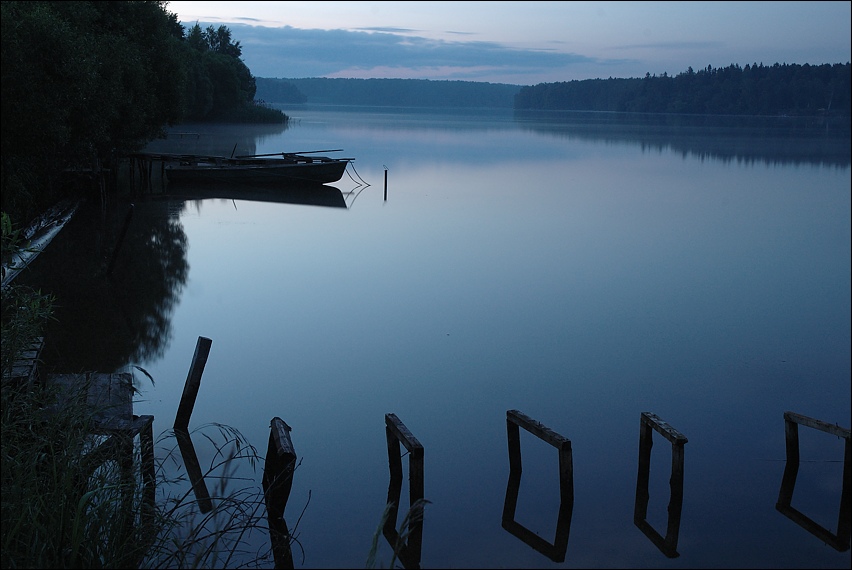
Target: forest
[
  {"x": 387, "y": 92},
  {"x": 84, "y": 83},
  {"x": 779, "y": 89},
  {"x": 757, "y": 90}
]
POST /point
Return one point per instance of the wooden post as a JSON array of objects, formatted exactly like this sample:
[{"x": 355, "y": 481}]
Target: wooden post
[
  {"x": 386, "y": 184},
  {"x": 150, "y": 176},
  {"x": 278, "y": 468},
  {"x": 193, "y": 382},
  {"x": 277, "y": 482}
]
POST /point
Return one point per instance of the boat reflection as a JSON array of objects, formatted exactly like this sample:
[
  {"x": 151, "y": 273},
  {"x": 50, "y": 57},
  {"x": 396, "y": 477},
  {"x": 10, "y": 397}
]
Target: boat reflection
[{"x": 301, "y": 194}]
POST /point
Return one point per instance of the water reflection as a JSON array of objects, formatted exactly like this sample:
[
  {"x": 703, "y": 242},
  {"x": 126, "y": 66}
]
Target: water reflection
[
  {"x": 216, "y": 139},
  {"x": 770, "y": 140},
  {"x": 306, "y": 195},
  {"x": 193, "y": 470},
  {"x": 116, "y": 292}
]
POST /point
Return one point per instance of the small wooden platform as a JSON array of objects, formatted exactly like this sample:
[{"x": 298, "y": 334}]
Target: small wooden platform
[
  {"x": 110, "y": 397},
  {"x": 25, "y": 368}
]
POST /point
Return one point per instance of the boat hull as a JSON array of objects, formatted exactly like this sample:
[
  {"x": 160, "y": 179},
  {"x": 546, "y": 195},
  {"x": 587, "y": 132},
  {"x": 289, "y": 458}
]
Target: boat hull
[{"x": 268, "y": 171}]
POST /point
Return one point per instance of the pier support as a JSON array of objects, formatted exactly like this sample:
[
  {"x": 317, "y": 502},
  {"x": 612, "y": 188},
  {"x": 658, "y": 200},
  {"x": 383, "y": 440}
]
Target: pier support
[
  {"x": 650, "y": 422},
  {"x": 841, "y": 540}
]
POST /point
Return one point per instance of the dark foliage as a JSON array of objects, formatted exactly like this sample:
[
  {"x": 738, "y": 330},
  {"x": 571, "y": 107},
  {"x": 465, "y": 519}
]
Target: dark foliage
[
  {"x": 388, "y": 92},
  {"x": 84, "y": 83},
  {"x": 795, "y": 90}
]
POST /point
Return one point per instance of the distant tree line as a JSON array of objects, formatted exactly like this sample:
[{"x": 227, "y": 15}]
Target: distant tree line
[
  {"x": 84, "y": 82},
  {"x": 788, "y": 89},
  {"x": 387, "y": 92}
]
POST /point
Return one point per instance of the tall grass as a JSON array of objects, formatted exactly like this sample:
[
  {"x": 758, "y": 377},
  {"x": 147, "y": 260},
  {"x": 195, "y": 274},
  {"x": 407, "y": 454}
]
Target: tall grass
[{"x": 69, "y": 502}]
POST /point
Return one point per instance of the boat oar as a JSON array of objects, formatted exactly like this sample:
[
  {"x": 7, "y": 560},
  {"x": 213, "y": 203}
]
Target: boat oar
[{"x": 288, "y": 153}]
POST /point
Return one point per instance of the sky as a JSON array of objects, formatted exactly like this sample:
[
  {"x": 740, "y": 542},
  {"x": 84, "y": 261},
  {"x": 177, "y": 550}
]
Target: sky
[{"x": 522, "y": 43}]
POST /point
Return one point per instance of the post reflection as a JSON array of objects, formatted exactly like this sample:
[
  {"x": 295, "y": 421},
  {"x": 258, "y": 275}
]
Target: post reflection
[
  {"x": 648, "y": 423},
  {"x": 193, "y": 469},
  {"x": 408, "y": 545},
  {"x": 839, "y": 541},
  {"x": 557, "y": 549}
]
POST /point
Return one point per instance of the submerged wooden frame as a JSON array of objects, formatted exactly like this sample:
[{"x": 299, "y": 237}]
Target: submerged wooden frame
[
  {"x": 792, "y": 421},
  {"x": 554, "y": 550},
  {"x": 409, "y": 549},
  {"x": 649, "y": 423}
]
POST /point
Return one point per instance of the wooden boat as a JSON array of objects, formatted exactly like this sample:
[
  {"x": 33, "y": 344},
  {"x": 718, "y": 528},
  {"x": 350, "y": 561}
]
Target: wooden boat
[{"x": 281, "y": 168}]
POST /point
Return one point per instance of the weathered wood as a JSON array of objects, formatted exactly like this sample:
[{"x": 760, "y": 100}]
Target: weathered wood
[
  {"x": 193, "y": 382},
  {"x": 409, "y": 551},
  {"x": 403, "y": 435},
  {"x": 278, "y": 468},
  {"x": 664, "y": 428},
  {"x": 538, "y": 429},
  {"x": 841, "y": 540},
  {"x": 280, "y": 433},
  {"x": 555, "y": 550},
  {"x": 109, "y": 398},
  {"x": 25, "y": 367},
  {"x": 278, "y": 471},
  {"x": 820, "y": 425},
  {"x": 648, "y": 423}
]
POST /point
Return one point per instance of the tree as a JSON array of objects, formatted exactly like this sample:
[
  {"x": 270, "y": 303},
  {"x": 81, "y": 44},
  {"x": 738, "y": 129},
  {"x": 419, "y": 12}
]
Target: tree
[
  {"x": 81, "y": 82},
  {"x": 220, "y": 82}
]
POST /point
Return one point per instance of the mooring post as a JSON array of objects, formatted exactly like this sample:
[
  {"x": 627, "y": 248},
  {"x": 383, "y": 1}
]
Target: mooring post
[
  {"x": 386, "y": 183},
  {"x": 193, "y": 382}
]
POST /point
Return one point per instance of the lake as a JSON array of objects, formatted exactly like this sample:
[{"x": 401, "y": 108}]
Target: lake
[{"x": 580, "y": 268}]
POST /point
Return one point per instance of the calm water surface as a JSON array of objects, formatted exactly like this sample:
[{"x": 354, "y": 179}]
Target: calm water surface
[{"x": 579, "y": 268}]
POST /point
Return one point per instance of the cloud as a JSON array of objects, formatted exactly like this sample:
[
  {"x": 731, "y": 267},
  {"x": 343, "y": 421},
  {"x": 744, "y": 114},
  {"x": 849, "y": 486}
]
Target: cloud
[
  {"x": 686, "y": 45},
  {"x": 296, "y": 53}
]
